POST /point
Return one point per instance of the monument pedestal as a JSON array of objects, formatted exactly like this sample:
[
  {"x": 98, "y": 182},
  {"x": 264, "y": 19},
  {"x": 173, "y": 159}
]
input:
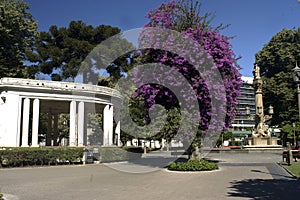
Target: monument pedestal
[{"x": 258, "y": 142}]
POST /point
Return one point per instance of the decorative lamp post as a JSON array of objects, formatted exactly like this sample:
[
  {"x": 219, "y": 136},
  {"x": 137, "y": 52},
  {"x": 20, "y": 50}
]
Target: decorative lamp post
[{"x": 296, "y": 77}]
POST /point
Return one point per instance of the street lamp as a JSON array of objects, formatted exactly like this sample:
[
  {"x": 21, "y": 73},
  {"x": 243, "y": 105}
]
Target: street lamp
[
  {"x": 296, "y": 77},
  {"x": 259, "y": 110},
  {"x": 271, "y": 110}
]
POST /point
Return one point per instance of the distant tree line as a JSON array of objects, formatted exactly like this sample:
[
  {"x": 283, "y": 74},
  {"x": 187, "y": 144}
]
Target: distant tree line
[{"x": 27, "y": 53}]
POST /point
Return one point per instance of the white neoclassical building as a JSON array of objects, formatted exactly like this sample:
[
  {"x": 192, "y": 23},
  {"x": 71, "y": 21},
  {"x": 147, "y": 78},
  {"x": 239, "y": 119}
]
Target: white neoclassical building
[{"x": 49, "y": 113}]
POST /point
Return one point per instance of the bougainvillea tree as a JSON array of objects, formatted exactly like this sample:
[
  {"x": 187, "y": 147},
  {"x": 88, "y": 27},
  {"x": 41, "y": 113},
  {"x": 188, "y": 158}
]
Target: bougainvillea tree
[{"x": 215, "y": 53}]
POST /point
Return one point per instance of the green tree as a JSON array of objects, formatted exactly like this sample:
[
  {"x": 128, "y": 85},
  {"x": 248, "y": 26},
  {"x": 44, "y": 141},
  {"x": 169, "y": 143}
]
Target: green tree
[
  {"x": 94, "y": 123},
  {"x": 61, "y": 51},
  {"x": 18, "y": 31},
  {"x": 276, "y": 61},
  {"x": 183, "y": 16},
  {"x": 226, "y": 135},
  {"x": 289, "y": 132}
]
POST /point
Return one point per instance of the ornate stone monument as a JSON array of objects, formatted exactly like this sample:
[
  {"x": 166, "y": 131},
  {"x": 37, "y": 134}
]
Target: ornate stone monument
[{"x": 261, "y": 133}]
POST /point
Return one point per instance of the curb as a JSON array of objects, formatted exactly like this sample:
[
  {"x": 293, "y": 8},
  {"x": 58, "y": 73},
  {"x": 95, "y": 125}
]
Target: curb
[{"x": 290, "y": 173}]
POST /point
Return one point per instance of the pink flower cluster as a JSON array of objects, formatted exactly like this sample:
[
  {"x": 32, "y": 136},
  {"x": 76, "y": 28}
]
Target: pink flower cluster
[{"x": 216, "y": 53}]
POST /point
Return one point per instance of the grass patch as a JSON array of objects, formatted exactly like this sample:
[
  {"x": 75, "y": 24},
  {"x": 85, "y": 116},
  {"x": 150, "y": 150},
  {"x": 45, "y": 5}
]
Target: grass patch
[
  {"x": 193, "y": 165},
  {"x": 294, "y": 168}
]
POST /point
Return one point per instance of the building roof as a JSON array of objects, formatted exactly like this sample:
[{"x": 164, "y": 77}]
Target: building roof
[
  {"x": 247, "y": 79},
  {"x": 57, "y": 87}
]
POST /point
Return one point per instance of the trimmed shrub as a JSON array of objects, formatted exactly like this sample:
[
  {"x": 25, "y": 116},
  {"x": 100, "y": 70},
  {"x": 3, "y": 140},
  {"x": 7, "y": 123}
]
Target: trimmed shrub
[
  {"x": 134, "y": 149},
  {"x": 15, "y": 157},
  {"x": 113, "y": 154},
  {"x": 134, "y": 152},
  {"x": 193, "y": 165}
]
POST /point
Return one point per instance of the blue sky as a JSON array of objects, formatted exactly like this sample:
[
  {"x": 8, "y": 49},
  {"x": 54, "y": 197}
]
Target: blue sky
[{"x": 252, "y": 22}]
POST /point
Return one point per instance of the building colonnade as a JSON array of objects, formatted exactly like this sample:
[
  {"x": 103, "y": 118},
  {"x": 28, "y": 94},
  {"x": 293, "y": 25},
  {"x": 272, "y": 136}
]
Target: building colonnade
[{"x": 24, "y": 101}]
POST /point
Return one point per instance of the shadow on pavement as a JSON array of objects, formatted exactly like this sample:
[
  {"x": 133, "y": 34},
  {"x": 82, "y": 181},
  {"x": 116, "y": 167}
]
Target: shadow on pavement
[
  {"x": 156, "y": 162},
  {"x": 272, "y": 174},
  {"x": 265, "y": 189}
]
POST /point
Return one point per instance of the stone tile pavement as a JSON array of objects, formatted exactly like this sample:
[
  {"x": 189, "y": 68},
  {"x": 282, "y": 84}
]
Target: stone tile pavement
[{"x": 241, "y": 176}]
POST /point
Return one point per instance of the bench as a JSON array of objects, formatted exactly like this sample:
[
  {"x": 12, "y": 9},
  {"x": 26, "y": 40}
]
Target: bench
[
  {"x": 295, "y": 154},
  {"x": 286, "y": 155}
]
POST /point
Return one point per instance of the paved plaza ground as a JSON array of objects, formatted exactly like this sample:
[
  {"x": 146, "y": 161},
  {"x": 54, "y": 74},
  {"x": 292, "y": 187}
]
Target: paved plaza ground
[{"x": 241, "y": 176}]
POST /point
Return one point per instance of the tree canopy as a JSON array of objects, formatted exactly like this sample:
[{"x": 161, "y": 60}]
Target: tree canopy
[
  {"x": 18, "y": 31},
  {"x": 60, "y": 51},
  {"x": 185, "y": 18},
  {"x": 276, "y": 61}
]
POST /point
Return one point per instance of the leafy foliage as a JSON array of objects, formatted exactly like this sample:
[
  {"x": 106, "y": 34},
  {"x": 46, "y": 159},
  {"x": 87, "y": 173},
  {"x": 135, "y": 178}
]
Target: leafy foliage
[
  {"x": 276, "y": 61},
  {"x": 39, "y": 156},
  {"x": 61, "y": 51},
  {"x": 288, "y": 132},
  {"x": 113, "y": 154},
  {"x": 94, "y": 123},
  {"x": 193, "y": 165},
  {"x": 226, "y": 135},
  {"x": 184, "y": 16},
  {"x": 18, "y": 31}
]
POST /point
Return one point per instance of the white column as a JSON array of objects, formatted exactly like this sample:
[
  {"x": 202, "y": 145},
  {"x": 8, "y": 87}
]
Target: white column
[
  {"x": 72, "y": 135},
  {"x": 80, "y": 123},
  {"x": 35, "y": 122},
  {"x": 118, "y": 133},
  {"x": 25, "y": 129},
  {"x": 105, "y": 125},
  {"x": 118, "y": 127},
  {"x": 111, "y": 126},
  {"x": 108, "y": 125}
]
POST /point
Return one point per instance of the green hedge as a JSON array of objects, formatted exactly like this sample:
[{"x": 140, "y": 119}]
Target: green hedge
[
  {"x": 15, "y": 157},
  {"x": 193, "y": 165},
  {"x": 113, "y": 154},
  {"x": 21, "y": 156}
]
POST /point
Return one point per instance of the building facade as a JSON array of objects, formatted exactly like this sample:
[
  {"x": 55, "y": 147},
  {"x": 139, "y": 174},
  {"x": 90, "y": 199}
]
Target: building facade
[
  {"x": 242, "y": 125},
  {"x": 48, "y": 113}
]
